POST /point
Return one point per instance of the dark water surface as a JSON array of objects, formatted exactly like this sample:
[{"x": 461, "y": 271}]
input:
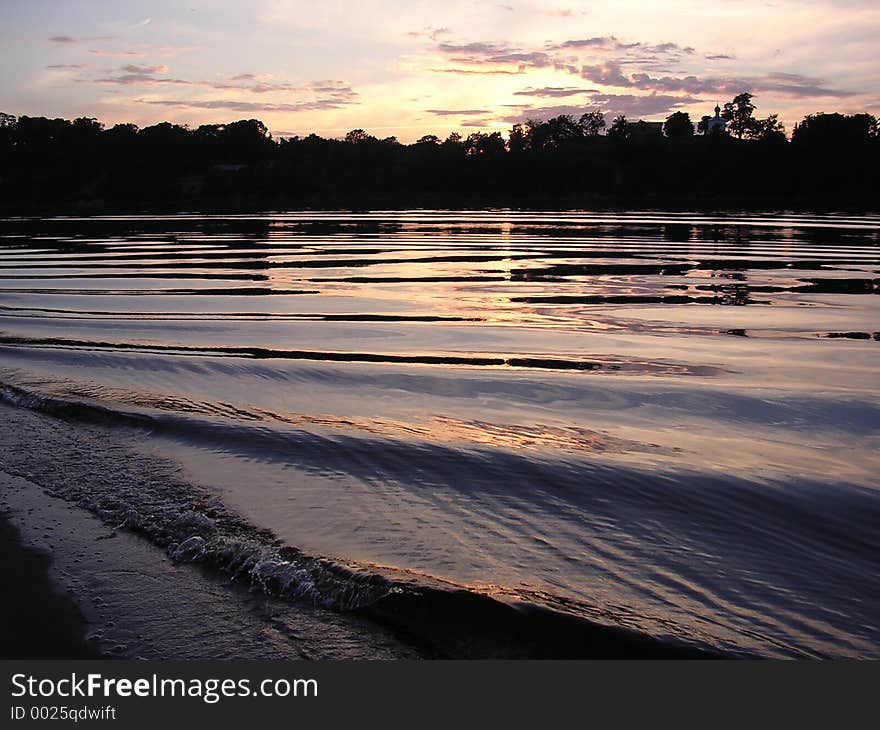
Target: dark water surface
[{"x": 662, "y": 422}]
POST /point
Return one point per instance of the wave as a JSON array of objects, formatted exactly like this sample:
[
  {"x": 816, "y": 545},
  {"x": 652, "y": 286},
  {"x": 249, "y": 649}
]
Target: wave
[
  {"x": 302, "y": 316},
  {"x": 620, "y": 505},
  {"x": 617, "y": 365},
  {"x": 796, "y": 411},
  {"x": 440, "y": 617}
]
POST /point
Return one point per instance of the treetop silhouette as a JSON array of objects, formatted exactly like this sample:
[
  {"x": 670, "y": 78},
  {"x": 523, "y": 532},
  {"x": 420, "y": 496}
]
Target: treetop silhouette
[{"x": 56, "y": 164}]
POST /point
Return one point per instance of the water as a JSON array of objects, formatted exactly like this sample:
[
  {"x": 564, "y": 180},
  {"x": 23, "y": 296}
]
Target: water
[{"x": 663, "y": 422}]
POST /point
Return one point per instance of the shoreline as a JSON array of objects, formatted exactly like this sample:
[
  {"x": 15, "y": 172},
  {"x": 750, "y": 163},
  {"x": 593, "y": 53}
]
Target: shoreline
[
  {"x": 139, "y": 604},
  {"x": 816, "y": 205},
  {"x": 111, "y": 594},
  {"x": 39, "y": 621}
]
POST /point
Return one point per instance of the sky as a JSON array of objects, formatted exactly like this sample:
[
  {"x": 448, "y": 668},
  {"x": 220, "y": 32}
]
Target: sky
[{"x": 408, "y": 68}]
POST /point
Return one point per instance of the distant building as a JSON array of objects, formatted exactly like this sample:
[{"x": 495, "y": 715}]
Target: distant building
[{"x": 716, "y": 124}]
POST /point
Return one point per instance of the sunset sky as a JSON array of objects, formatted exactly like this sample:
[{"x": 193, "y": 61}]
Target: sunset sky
[{"x": 410, "y": 68}]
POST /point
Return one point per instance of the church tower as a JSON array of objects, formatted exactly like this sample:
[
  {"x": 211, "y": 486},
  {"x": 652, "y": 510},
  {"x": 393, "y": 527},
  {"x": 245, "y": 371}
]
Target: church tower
[{"x": 716, "y": 125}]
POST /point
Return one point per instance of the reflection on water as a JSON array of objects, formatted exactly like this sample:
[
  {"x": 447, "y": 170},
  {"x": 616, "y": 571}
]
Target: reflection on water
[{"x": 668, "y": 422}]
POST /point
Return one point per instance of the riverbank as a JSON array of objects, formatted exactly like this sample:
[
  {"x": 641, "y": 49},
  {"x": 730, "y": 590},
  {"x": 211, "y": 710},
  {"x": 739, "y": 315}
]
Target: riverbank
[{"x": 378, "y": 201}]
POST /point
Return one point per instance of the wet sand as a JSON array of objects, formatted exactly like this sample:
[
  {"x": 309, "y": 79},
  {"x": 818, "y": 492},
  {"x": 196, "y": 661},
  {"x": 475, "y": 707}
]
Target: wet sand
[{"x": 37, "y": 620}]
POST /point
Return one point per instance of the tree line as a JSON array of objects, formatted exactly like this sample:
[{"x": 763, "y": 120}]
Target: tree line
[{"x": 830, "y": 161}]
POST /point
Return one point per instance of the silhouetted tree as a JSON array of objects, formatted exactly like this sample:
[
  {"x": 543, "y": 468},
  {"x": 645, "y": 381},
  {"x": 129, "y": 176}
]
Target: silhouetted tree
[
  {"x": 87, "y": 126},
  {"x": 520, "y": 138},
  {"x": 127, "y": 131},
  {"x": 359, "y": 136},
  {"x": 453, "y": 141},
  {"x": 836, "y": 154},
  {"x": 769, "y": 129},
  {"x": 7, "y": 125},
  {"x": 555, "y": 132},
  {"x": 245, "y": 141},
  {"x": 592, "y": 123},
  {"x": 619, "y": 128},
  {"x": 678, "y": 125},
  {"x": 49, "y": 165},
  {"x": 480, "y": 143},
  {"x": 835, "y": 130},
  {"x": 739, "y": 114},
  {"x": 165, "y": 141}
]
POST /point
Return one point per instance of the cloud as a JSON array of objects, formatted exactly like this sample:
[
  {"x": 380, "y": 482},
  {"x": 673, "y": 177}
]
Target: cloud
[
  {"x": 69, "y": 39},
  {"x": 477, "y": 48},
  {"x": 612, "y": 43},
  {"x": 595, "y": 42},
  {"x": 533, "y": 59},
  {"x": 61, "y": 66},
  {"x": 430, "y": 32},
  {"x": 607, "y": 74},
  {"x": 134, "y": 74},
  {"x": 330, "y": 92},
  {"x": 137, "y": 79},
  {"x": 641, "y": 106},
  {"x": 257, "y": 87},
  {"x": 497, "y": 56},
  {"x": 490, "y": 56},
  {"x": 139, "y": 50},
  {"x": 323, "y": 94},
  {"x": 787, "y": 84},
  {"x": 555, "y": 91},
  {"x": 458, "y": 112},
  {"x": 525, "y": 112},
  {"x": 479, "y": 71},
  {"x": 254, "y": 84},
  {"x": 798, "y": 85},
  {"x": 134, "y": 69},
  {"x": 475, "y": 123},
  {"x": 245, "y": 106},
  {"x": 331, "y": 87},
  {"x": 630, "y": 105},
  {"x": 103, "y": 52}
]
